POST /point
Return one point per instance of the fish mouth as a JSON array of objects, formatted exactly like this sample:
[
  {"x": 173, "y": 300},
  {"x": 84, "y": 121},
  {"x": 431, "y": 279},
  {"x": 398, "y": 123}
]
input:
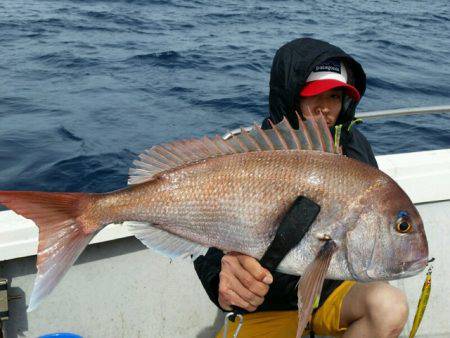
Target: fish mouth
[
  {"x": 412, "y": 268},
  {"x": 405, "y": 270}
]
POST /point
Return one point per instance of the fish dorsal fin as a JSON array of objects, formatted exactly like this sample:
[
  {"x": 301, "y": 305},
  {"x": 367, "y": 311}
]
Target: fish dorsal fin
[{"x": 312, "y": 134}]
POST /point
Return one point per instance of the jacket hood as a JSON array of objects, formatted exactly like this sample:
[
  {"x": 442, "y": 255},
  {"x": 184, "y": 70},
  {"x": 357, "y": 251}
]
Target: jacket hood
[{"x": 291, "y": 66}]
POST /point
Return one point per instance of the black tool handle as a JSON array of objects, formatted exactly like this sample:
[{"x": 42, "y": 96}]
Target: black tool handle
[{"x": 294, "y": 225}]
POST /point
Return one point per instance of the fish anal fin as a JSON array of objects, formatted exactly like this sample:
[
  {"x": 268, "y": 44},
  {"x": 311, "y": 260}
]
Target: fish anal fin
[
  {"x": 311, "y": 284},
  {"x": 165, "y": 243}
]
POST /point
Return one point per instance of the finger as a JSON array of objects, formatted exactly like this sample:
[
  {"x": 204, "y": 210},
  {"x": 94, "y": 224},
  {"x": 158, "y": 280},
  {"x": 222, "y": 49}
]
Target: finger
[
  {"x": 248, "y": 281},
  {"x": 230, "y": 282},
  {"x": 232, "y": 266},
  {"x": 255, "y": 268},
  {"x": 224, "y": 304},
  {"x": 234, "y": 299}
]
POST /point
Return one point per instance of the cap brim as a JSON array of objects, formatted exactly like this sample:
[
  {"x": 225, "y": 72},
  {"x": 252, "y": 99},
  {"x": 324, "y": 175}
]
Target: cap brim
[{"x": 318, "y": 87}]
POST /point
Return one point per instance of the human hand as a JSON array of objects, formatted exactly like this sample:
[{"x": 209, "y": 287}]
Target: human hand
[{"x": 243, "y": 282}]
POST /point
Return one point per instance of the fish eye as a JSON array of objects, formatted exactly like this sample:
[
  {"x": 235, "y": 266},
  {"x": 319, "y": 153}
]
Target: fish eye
[{"x": 403, "y": 226}]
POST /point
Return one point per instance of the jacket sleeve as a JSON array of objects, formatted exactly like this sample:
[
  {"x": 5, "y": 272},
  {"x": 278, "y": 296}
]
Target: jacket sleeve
[{"x": 208, "y": 270}]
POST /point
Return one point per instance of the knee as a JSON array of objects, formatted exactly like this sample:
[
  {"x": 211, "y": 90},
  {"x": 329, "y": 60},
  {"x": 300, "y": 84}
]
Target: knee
[{"x": 387, "y": 307}]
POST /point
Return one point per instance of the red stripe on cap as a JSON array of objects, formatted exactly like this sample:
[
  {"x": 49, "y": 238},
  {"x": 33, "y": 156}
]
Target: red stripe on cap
[{"x": 317, "y": 87}]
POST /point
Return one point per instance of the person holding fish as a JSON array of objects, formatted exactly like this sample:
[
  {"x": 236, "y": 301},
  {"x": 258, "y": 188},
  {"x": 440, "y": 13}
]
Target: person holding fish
[
  {"x": 241, "y": 194},
  {"x": 308, "y": 76}
]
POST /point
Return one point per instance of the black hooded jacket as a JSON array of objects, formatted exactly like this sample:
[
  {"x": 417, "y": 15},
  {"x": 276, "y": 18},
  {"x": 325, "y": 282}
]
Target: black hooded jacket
[{"x": 292, "y": 64}]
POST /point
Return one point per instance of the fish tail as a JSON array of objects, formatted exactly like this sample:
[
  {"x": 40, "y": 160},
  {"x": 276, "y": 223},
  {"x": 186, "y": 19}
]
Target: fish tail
[{"x": 64, "y": 233}]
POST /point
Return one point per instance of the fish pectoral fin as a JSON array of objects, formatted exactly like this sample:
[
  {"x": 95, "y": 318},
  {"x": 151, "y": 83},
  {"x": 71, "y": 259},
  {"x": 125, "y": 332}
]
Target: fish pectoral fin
[
  {"x": 164, "y": 242},
  {"x": 311, "y": 283}
]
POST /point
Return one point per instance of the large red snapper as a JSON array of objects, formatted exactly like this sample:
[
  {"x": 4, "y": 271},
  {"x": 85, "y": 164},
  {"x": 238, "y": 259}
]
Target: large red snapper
[{"x": 189, "y": 195}]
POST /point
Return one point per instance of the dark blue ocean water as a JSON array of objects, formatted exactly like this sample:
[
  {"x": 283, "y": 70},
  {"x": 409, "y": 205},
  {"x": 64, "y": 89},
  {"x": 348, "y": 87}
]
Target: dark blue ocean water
[{"x": 85, "y": 86}]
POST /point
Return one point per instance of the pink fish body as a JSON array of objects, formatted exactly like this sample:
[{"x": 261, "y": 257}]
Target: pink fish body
[{"x": 187, "y": 196}]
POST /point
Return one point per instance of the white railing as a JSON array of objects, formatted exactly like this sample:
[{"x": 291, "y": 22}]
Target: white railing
[
  {"x": 404, "y": 111},
  {"x": 379, "y": 114}
]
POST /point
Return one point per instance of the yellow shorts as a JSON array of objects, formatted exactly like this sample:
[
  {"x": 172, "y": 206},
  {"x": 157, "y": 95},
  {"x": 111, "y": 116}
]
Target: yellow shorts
[{"x": 283, "y": 324}]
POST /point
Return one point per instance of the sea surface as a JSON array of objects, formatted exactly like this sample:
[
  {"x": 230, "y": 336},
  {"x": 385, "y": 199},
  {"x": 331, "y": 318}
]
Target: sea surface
[{"x": 85, "y": 86}]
